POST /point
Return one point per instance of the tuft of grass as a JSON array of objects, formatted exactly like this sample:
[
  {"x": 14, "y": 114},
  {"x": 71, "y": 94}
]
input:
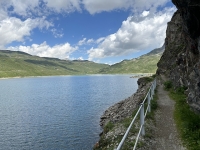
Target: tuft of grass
[
  {"x": 188, "y": 123},
  {"x": 109, "y": 126},
  {"x": 126, "y": 122},
  {"x": 148, "y": 79},
  {"x": 168, "y": 85}
]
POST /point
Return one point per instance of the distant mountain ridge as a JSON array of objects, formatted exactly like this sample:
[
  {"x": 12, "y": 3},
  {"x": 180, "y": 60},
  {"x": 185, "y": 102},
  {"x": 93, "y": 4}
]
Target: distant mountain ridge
[
  {"x": 158, "y": 51},
  {"x": 146, "y": 63},
  {"x": 21, "y": 64}
]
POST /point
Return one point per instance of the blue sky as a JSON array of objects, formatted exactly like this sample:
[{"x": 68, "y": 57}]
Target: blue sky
[{"x": 98, "y": 30}]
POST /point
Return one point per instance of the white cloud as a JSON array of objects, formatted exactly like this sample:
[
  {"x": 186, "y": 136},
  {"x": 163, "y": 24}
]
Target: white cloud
[
  {"x": 82, "y": 42},
  {"x": 89, "y": 41},
  {"x": 13, "y": 29},
  {"x": 64, "y": 5},
  {"x": 145, "y": 13},
  {"x": 86, "y": 41},
  {"x": 57, "y": 33},
  {"x": 94, "y": 6},
  {"x": 134, "y": 35},
  {"x": 39, "y": 7},
  {"x": 62, "y": 51},
  {"x": 20, "y": 7},
  {"x": 99, "y": 40}
]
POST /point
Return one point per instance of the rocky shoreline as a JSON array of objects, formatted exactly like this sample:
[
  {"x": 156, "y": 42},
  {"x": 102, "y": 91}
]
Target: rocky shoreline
[
  {"x": 125, "y": 108},
  {"x": 118, "y": 112}
]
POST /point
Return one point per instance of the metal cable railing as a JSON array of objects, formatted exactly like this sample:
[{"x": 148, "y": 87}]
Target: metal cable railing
[{"x": 148, "y": 97}]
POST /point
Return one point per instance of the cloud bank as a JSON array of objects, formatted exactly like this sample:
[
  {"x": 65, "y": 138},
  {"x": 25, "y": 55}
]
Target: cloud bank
[
  {"x": 18, "y": 19},
  {"x": 14, "y": 29},
  {"x": 146, "y": 31},
  {"x": 27, "y": 7},
  {"x": 62, "y": 51}
]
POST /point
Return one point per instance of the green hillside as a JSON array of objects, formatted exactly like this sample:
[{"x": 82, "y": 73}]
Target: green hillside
[
  {"x": 144, "y": 64},
  {"x": 14, "y": 64},
  {"x": 20, "y": 64}
]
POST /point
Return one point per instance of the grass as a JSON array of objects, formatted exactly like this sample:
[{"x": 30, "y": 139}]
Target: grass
[
  {"x": 168, "y": 85},
  {"x": 187, "y": 121},
  {"x": 143, "y": 64},
  {"x": 149, "y": 79},
  {"x": 18, "y": 64},
  {"x": 109, "y": 126}
]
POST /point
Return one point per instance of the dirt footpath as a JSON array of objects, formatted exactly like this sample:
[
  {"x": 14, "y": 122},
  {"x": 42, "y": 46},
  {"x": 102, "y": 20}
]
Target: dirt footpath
[{"x": 166, "y": 136}]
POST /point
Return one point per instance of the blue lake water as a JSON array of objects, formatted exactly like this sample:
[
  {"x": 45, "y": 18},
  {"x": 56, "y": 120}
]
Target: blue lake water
[{"x": 56, "y": 113}]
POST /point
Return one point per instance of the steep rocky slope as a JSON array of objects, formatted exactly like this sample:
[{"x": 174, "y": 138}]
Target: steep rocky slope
[{"x": 180, "y": 62}]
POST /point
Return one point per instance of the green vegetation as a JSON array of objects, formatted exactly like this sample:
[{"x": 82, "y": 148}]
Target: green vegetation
[
  {"x": 19, "y": 64},
  {"x": 149, "y": 79},
  {"x": 187, "y": 121},
  {"x": 109, "y": 126},
  {"x": 143, "y": 64},
  {"x": 168, "y": 85}
]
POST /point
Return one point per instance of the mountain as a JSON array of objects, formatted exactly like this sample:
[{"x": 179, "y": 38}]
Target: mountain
[
  {"x": 144, "y": 64},
  {"x": 15, "y": 63}
]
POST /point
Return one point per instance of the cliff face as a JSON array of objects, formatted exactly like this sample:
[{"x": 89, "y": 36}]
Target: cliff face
[{"x": 180, "y": 62}]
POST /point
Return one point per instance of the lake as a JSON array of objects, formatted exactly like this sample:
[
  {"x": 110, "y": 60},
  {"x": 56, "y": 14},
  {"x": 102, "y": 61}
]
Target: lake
[{"x": 59, "y": 112}]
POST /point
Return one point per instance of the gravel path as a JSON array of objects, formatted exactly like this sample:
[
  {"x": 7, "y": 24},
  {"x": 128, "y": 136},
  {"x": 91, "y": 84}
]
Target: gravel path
[{"x": 166, "y": 136}]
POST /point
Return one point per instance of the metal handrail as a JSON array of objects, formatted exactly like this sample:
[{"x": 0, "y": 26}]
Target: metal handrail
[{"x": 149, "y": 97}]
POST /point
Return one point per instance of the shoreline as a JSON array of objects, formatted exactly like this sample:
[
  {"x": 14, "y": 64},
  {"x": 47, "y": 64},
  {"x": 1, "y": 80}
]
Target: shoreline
[
  {"x": 134, "y": 75},
  {"x": 125, "y": 107},
  {"x": 117, "y": 113}
]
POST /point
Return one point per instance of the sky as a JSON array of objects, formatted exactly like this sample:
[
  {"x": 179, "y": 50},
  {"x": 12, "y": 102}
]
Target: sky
[{"x": 103, "y": 31}]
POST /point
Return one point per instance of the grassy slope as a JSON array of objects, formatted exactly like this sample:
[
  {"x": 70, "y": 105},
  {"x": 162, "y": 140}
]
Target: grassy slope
[
  {"x": 14, "y": 64},
  {"x": 143, "y": 64}
]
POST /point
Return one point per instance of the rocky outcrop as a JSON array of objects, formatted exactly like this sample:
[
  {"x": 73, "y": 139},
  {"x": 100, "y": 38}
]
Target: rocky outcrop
[{"x": 180, "y": 62}]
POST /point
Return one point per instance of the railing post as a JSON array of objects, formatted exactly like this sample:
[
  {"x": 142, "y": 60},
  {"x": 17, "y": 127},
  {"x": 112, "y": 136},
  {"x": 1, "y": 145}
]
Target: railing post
[
  {"x": 149, "y": 102},
  {"x": 142, "y": 119},
  {"x": 152, "y": 91}
]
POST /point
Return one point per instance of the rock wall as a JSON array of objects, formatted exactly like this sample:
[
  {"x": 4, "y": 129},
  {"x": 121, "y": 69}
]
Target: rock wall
[{"x": 180, "y": 62}]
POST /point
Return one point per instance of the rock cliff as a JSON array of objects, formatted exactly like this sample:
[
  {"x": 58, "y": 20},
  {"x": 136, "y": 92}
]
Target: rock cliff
[{"x": 180, "y": 62}]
